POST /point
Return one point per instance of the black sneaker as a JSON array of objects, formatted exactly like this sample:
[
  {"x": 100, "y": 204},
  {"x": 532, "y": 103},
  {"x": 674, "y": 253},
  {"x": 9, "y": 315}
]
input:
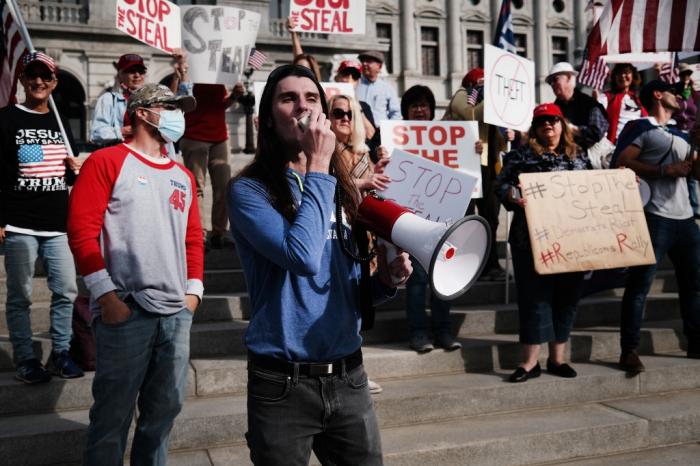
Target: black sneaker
[
  {"x": 31, "y": 371},
  {"x": 420, "y": 344},
  {"x": 62, "y": 365},
  {"x": 445, "y": 341}
]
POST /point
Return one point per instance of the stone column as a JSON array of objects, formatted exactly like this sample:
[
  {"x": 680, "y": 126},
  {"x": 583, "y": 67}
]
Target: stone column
[
  {"x": 454, "y": 44},
  {"x": 581, "y": 32},
  {"x": 542, "y": 51},
  {"x": 409, "y": 39}
]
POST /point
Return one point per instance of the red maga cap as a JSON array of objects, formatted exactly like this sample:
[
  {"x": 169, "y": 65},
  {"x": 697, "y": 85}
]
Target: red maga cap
[
  {"x": 474, "y": 76},
  {"x": 351, "y": 66},
  {"x": 547, "y": 110},
  {"x": 129, "y": 60}
]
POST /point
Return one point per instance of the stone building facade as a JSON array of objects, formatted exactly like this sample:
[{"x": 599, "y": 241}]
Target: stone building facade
[{"x": 432, "y": 42}]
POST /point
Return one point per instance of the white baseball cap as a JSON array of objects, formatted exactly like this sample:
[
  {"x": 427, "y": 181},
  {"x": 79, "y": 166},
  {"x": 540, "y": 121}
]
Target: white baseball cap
[{"x": 560, "y": 68}]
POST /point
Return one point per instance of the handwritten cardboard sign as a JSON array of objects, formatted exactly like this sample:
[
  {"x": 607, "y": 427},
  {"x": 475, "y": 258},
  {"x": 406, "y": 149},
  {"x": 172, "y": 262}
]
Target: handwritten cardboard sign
[
  {"x": 585, "y": 220},
  {"x": 449, "y": 143},
  {"x": 509, "y": 89},
  {"x": 329, "y": 16},
  {"x": 153, "y": 22},
  {"x": 329, "y": 88},
  {"x": 434, "y": 191},
  {"x": 218, "y": 40}
]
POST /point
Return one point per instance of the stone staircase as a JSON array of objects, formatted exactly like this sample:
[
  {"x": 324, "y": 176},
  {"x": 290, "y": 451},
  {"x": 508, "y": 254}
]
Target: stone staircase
[{"x": 438, "y": 408}]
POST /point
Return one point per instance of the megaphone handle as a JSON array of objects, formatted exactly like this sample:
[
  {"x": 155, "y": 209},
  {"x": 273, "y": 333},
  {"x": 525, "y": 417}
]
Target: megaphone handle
[{"x": 392, "y": 252}]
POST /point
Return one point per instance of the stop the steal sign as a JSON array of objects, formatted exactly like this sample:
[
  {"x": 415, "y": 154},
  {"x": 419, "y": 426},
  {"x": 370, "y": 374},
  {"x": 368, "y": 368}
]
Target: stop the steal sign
[
  {"x": 329, "y": 16},
  {"x": 509, "y": 89}
]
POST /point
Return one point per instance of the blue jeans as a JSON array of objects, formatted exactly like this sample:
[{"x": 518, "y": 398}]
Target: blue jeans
[
  {"x": 415, "y": 305},
  {"x": 144, "y": 357},
  {"x": 680, "y": 239},
  {"x": 546, "y": 303},
  {"x": 289, "y": 416},
  {"x": 21, "y": 252}
]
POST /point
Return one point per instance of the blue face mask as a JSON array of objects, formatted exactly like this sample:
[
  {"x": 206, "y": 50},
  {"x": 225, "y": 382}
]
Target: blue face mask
[{"x": 171, "y": 124}]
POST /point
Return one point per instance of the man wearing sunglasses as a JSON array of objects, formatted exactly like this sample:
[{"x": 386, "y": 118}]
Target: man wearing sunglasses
[
  {"x": 135, "y": 231},
  {"x": 33, "y": 210},
  {"x": 110, "y": 122}
]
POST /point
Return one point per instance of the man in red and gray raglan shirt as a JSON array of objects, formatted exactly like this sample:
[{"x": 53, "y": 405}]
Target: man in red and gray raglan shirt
[{"x": 134, "y": 229}]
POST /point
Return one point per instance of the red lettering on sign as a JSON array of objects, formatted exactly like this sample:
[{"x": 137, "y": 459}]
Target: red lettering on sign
[
  {"x": 449, "y": 158},
  {"x": 621, "y": 238},
  {"x": 400, "y": 135}
]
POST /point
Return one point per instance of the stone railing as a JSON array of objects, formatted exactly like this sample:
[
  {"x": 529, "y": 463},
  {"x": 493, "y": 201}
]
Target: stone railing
[
  {"x": 54, "y": 12},
  {"x": 278, "y": 28}
]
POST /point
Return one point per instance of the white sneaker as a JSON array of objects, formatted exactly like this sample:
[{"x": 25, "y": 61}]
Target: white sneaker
[{"x": 374, "y": 387}]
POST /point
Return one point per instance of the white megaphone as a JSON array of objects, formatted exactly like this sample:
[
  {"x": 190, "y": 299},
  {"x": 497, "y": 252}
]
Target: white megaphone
[{"x": 453, "y": 256}]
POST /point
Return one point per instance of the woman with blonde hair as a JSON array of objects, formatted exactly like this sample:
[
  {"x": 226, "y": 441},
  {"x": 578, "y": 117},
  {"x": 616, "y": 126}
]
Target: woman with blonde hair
[
  {"x": 346, "y": 123},
  {"x": 546, "y": 303}
]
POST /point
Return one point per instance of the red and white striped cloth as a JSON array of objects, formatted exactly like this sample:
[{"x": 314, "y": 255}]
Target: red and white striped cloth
[
  {"x": 645, "y": 26},
  {"x": 594, "y": 74},
  {"x": 473, "y": 97},
  {"x": 12, "y": 48}
]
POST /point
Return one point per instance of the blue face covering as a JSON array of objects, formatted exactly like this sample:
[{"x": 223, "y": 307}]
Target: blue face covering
[{"x": 171, "y": 124}]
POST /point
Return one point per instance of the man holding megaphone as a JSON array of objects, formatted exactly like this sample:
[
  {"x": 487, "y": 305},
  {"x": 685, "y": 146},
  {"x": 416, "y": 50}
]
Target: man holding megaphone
[{"x": 291, "y": 214}]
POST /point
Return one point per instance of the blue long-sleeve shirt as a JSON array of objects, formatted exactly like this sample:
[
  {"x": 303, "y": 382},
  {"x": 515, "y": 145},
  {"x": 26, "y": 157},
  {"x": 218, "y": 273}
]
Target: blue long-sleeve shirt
[
  {"x": 303, "y": 288},
  {"x": 382, "y": 97}
]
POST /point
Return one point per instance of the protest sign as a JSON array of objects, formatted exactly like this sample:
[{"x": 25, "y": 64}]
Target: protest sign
[
  {"x": 329, "y": 16},
  {"x": 449, "y": 143},
  {"x": 153, "y": 22},
  {"x": 509, "y": 89},
  {"x": 330, "y": 89},
  {"x": 218, "y": 41},
  {"x": 585, "y": 220},
  {"x": 430, "y": 189}
]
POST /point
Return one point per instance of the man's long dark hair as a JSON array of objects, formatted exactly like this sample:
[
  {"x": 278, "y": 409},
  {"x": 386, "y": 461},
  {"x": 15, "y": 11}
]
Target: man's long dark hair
[{"x": 269, "y": 166}]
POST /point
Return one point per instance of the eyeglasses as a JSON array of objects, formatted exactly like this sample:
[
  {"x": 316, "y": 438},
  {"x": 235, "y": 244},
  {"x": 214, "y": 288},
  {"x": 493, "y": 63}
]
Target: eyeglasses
[
  {"x": 338, "y": 114},
  {"x": 135, "y": 69},
  {"x": 552, "y": 120},
  {"x": 45, "y": 75}
]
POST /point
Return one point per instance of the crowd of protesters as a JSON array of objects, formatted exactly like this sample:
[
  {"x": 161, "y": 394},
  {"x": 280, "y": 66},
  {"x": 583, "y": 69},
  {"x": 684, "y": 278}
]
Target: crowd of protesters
[{"x": 316, "y": 160}]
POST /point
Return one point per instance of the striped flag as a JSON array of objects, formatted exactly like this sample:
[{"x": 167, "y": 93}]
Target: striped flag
[
  {"x": 669, "y": 71},
  {"x": 645, "y": 26},
  {"x": 12, "y": 47},
  {"x": 42, "y": 160},
  {"x": 593, "y": 74},
  {"x": 256, "y": 59},
  {"x": 505, "y": 38},
  {"x": 473, "y": 97}
]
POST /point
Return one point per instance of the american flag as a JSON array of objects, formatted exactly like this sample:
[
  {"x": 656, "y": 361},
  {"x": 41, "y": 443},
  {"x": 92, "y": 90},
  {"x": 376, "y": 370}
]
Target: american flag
[
  {"x": 593, "y": 74},
  {"x": 505, "y": 38},
  {"x": 645, "y": 26},
  {"x": 42, "y": 160},
  {"x": 473, "y": 97},
  {"x": 256, "y": 59},
  {"x": 12, "y": 47},
  {"x": 669, "y": 71}
]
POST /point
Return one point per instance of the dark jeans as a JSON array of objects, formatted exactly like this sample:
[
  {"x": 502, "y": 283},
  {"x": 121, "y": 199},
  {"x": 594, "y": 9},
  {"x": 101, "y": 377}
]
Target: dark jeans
[
  {"x": 546, "y": 303},
  {"x": 680, "y": 239},
  {"x": 416, "y": 287},
  {"x": 291, "y": 415}
]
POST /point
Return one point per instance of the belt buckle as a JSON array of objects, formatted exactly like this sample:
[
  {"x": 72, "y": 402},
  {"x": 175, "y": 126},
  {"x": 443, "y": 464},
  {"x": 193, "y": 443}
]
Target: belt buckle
[{"x": 321, "y": 369}]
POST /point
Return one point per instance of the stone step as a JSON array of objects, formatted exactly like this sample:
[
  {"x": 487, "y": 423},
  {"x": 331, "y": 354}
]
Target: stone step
[
  {"x": 466, "y": 400},
  {"x": 527, "y": 437},
  {"x": 685, "y": 454}
]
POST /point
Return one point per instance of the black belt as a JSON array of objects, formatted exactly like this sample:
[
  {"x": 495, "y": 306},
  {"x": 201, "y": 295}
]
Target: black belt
[{"x": 307, "y": 369}]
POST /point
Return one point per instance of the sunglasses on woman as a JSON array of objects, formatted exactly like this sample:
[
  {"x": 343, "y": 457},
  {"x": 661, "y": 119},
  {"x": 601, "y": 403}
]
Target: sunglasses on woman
[
  {"x": 338, "y": 114},
  {"x": 552, "y": 120},
  {"x": 45, "y": 75}
]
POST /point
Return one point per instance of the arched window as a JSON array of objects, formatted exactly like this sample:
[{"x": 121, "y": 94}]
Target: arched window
[{"x": 69, "y": 96}]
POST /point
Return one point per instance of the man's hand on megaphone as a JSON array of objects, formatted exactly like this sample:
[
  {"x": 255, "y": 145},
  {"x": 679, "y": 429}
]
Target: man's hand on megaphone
[
  {"x": 318, "y": 143},
  {"x": 396, "y": 273}
]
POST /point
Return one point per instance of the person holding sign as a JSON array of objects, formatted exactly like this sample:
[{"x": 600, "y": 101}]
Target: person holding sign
[
  {"x": 546, "y": 303},
  {"x": 307, "y": 287},
  {"x": 621, "y": 101},
  {"x": 663, "y": 157},
  {"x": 299, "y": 57}
]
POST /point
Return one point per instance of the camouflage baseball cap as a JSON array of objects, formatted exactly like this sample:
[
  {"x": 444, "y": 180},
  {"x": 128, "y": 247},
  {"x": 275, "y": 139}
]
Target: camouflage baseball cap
[{"x": 152, "y": 94}]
